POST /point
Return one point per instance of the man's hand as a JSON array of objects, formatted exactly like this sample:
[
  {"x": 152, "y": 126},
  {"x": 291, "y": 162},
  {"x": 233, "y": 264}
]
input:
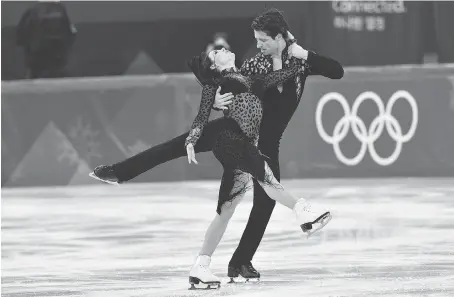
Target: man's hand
[
  {"x": 297, "y": 51},
  {"x": 221, "y": 101},
  {"x": 191, "y": 153}
]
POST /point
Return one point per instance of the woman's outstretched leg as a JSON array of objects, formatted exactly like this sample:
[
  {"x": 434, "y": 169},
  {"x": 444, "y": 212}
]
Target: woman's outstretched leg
[
  {"x": 238, "y": 152},
  {"x": 309, "y": 221}
]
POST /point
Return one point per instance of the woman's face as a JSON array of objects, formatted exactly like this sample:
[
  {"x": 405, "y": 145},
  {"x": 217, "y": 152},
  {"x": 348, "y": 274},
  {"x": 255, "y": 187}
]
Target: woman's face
[{"x": 222, "y": 58}]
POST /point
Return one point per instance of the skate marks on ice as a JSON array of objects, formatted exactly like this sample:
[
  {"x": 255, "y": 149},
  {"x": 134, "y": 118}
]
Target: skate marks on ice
[{"x": 386, "y": 238}]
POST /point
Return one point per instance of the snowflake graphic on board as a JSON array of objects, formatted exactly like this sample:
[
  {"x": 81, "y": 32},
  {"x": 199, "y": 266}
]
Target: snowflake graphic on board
[{"x": 85, "y": 139}]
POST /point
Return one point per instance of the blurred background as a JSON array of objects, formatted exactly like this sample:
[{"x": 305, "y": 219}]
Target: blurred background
[
  {"x": 121, "y": 38},
  {"x": 113, "y": 81}
]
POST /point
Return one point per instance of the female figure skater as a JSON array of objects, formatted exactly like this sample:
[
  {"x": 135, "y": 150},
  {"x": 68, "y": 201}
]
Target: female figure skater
[{"x": 235, "y": 146}]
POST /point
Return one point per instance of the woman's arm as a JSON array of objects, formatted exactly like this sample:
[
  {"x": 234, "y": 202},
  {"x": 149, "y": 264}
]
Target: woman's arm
[{"x": 203, "y": 115}]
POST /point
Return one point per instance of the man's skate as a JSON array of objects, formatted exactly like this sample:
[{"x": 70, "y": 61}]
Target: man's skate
[
  {"x": 105, "y": 174},
  {"x": 201, "y": 277},
  {"x": 247, "y": 271},
  {"x": 310, "y": 222}
]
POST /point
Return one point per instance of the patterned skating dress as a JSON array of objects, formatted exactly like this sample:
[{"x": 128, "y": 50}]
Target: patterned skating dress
[{"x": 236, "y": 143}]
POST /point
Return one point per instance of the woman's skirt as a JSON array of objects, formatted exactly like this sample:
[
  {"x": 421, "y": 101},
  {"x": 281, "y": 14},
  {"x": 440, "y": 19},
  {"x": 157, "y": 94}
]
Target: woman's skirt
[{"x": 238, "y": 155}]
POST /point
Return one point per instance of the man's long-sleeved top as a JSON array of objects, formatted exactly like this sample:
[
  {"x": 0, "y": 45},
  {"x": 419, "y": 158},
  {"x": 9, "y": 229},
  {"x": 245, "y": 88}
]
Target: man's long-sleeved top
[
  {"x": 246, "y": 109},
  {"x": 278, "y": 112},
  {"x": 279, "y": 107}
]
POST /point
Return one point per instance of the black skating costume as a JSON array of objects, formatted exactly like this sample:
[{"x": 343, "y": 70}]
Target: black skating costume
[{"x": 235, "y": 144}]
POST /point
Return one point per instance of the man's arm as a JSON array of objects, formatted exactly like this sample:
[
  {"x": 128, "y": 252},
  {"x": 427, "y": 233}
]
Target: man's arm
[
  {"x": 317, "y": 64},
  {"x": 256, "y": 65},
  {"x": 321, "y": 65}
]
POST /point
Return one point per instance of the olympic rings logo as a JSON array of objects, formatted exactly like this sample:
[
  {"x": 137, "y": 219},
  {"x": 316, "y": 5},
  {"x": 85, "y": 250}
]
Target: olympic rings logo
[{"x": 367, "y": 137}]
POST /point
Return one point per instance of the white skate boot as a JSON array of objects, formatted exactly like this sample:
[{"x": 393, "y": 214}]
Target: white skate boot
[
  {"x": 310, "y": 222},
  {"x": 201, "y": 274}
]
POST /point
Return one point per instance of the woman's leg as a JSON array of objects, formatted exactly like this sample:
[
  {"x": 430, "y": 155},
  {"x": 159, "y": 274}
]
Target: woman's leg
[
  {"x": 219, "y": 224},
  {"x": 232, "y": 185},
  {"x": 310, "y": 222},
  {"x": 275, "y": 190},
  {"x": 234, "y": 149}
]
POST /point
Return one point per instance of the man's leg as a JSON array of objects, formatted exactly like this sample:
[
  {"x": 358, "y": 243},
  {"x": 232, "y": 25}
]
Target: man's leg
[
  {"x": 164, "y": 152},
  {"x": 259, "y": 217},
  {"x": 150, "y": 158}
]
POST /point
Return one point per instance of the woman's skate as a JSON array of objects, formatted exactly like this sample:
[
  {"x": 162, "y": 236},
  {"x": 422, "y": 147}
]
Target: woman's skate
[
  {"x": 310, "y": 222},
  {"x": 201, "y": 277}
]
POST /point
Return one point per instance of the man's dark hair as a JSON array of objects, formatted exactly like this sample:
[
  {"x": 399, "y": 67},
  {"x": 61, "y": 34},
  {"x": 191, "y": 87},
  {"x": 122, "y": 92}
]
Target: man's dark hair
[{"x": 272, "y": 22}]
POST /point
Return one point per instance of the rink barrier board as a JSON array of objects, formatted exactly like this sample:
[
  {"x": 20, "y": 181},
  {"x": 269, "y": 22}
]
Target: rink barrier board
[{"x": 55, "y": 131}]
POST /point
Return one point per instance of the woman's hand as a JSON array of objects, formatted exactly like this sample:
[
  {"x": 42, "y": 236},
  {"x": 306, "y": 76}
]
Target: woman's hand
[
  {"x": 297, "y": 51},
  {"x": 191, "y": 153}
]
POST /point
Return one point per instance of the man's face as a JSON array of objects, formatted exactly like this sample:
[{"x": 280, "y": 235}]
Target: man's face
[{"x": 265, "y": 43}]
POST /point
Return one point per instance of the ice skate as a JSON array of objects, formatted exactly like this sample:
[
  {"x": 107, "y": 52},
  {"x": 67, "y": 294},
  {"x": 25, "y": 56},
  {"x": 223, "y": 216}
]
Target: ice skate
[
  {"x": 247, "y": 273},
  {"x": 201, "y": 276},
  {"x": 105, "y": 174},
  {"x": 310, "y": 221}
]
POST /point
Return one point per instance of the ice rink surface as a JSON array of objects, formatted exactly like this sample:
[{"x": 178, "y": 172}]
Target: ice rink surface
[{"x": 388, "y": 237}]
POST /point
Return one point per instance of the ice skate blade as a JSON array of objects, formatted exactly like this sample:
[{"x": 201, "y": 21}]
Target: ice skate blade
[
  {"x": 93, "y": 175},
  {"x": 197, "y": 284},
  {"x": 243, "y": 280},
  {"x": 318, "y": 224},
  {"x": 204, "y": 287}
]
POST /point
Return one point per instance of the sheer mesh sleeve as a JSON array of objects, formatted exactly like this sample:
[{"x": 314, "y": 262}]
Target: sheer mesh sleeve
[
  {"x": 279, "y": 76},
  {"x": 263, "y": 82},
  {"x": 208, "y": 93}
]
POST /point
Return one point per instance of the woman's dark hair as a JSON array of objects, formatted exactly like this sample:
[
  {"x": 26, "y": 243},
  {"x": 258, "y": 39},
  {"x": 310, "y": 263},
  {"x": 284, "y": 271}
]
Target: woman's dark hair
[
  {"x": 201, "y": 67},
  {"x": 272, "y": 22}
]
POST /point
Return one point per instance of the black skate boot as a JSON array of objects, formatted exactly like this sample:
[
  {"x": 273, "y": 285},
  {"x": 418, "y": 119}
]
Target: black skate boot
[
  {"x": 247, "y": 271},
  {"x": 105, "y": 174}
]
